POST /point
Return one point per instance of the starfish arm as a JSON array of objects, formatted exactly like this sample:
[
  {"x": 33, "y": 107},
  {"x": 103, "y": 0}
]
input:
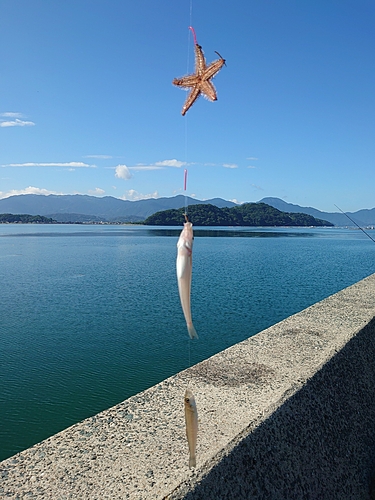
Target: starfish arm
[
  {"x": 212, "y": 69},
  {"x": 200, "y": 60},
  {"x": 186, "y": 81},
  {"x": 208, "y": 90},
  {"x": 191, "y": 98}
]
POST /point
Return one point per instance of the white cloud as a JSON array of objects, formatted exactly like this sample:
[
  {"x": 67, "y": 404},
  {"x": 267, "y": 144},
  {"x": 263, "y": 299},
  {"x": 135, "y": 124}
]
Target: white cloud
[
  {"x": 16, "y": 123},
  {"x": 133, "y": 195},
  {"x": 74, "y": 164},
  {"x": 12, "y": 115},
  {"x": 251, "y": 166},
  {"x": 159, "y": 165},
  {"x": 96, "y": 191},
  {"x": 230, "y": 165},
  {"x": 234, "y": 200},
  {"x": 170, "y": 163},
  {"x": 122, "y": 172},
  {"x": 251, "y": 158},
  {"x": 28, "y": 190}
]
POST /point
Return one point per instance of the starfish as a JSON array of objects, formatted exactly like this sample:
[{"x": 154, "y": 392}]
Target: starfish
[{"x": 200, "y": 81}]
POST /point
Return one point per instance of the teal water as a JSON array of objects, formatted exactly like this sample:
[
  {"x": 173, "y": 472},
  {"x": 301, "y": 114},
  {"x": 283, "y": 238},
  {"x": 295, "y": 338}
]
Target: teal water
[{"x": 90, "y": 315}]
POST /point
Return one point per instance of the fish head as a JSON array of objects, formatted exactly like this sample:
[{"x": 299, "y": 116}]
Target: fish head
[
  {"x": 185, "y": 241},
  {"x": 189, "y": 400},
  {"x": 188, "y": 231}
]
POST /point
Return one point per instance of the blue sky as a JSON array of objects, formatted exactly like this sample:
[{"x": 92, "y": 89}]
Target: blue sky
[{"x": 87, "y": 105}]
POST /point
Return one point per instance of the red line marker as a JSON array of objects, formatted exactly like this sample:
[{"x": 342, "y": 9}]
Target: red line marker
[{"x": 194, "y": 35}]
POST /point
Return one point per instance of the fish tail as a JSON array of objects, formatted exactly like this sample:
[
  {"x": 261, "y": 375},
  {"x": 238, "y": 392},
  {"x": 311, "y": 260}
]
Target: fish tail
[
  {"x": 192, "y": 333},
  {"x": 192, "y": 461}
]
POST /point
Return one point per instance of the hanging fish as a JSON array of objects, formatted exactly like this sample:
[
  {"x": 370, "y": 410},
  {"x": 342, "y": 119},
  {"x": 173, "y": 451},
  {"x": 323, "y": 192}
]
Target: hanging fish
[
  {"x": 191, "y": 420},
  {"x": 184, "y": 266},
  {"x": 200, "y": 81}
]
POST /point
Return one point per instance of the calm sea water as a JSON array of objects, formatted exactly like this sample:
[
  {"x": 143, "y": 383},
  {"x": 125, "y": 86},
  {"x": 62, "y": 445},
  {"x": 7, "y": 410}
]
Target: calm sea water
[{"x": 90, "y": 315}]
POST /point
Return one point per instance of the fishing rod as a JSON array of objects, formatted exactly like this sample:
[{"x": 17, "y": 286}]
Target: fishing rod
[{"x": 354, "y": 222}]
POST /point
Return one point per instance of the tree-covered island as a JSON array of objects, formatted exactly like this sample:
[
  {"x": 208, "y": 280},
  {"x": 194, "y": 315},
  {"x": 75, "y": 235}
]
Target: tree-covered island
[
  {"x": 25, "y": 219},
  {"x": 247, "y": 214}
]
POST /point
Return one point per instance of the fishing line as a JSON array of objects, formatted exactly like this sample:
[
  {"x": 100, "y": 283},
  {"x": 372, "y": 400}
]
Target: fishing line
[
  {"x": 186, "y": 204},
  {"x": 191, "y": 417},
  {"x": 354, "y": 222},
  {"x": 190, "y": 31},
  {"x": 189, "y": 352},
  {"x": 185, "y": 171},
  {"x": 186, "y": 123}
]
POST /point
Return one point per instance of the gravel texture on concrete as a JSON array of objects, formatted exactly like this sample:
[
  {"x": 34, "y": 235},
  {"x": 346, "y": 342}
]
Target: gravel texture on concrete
[{"x": 286, "y": 414}]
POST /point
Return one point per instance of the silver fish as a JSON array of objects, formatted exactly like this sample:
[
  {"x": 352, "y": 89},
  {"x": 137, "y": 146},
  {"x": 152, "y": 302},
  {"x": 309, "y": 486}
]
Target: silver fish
[
  {"x": 184, "y": 267},
  {"x": 191, "y": 419}
]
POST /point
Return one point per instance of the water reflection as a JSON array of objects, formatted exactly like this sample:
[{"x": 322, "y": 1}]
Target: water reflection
[
  {"x": 230, "y": 233},
  {"x": 56, "y": 231}
]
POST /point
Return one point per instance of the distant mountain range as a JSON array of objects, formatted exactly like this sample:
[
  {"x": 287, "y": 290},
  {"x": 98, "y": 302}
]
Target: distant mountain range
[
  {"x": 84, "y": 208},
  {"x": 363, "y": 218}
]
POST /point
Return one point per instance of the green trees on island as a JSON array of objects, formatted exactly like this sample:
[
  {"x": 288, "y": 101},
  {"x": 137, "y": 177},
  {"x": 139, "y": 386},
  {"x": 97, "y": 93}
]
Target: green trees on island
[
  {"x": 247, "y": 214},
  {"x": 25, "y": 219}
]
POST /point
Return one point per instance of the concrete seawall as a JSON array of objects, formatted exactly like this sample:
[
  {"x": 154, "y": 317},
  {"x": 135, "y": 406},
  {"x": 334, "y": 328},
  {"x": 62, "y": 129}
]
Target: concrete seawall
[{"x": 286, "y": 414}]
